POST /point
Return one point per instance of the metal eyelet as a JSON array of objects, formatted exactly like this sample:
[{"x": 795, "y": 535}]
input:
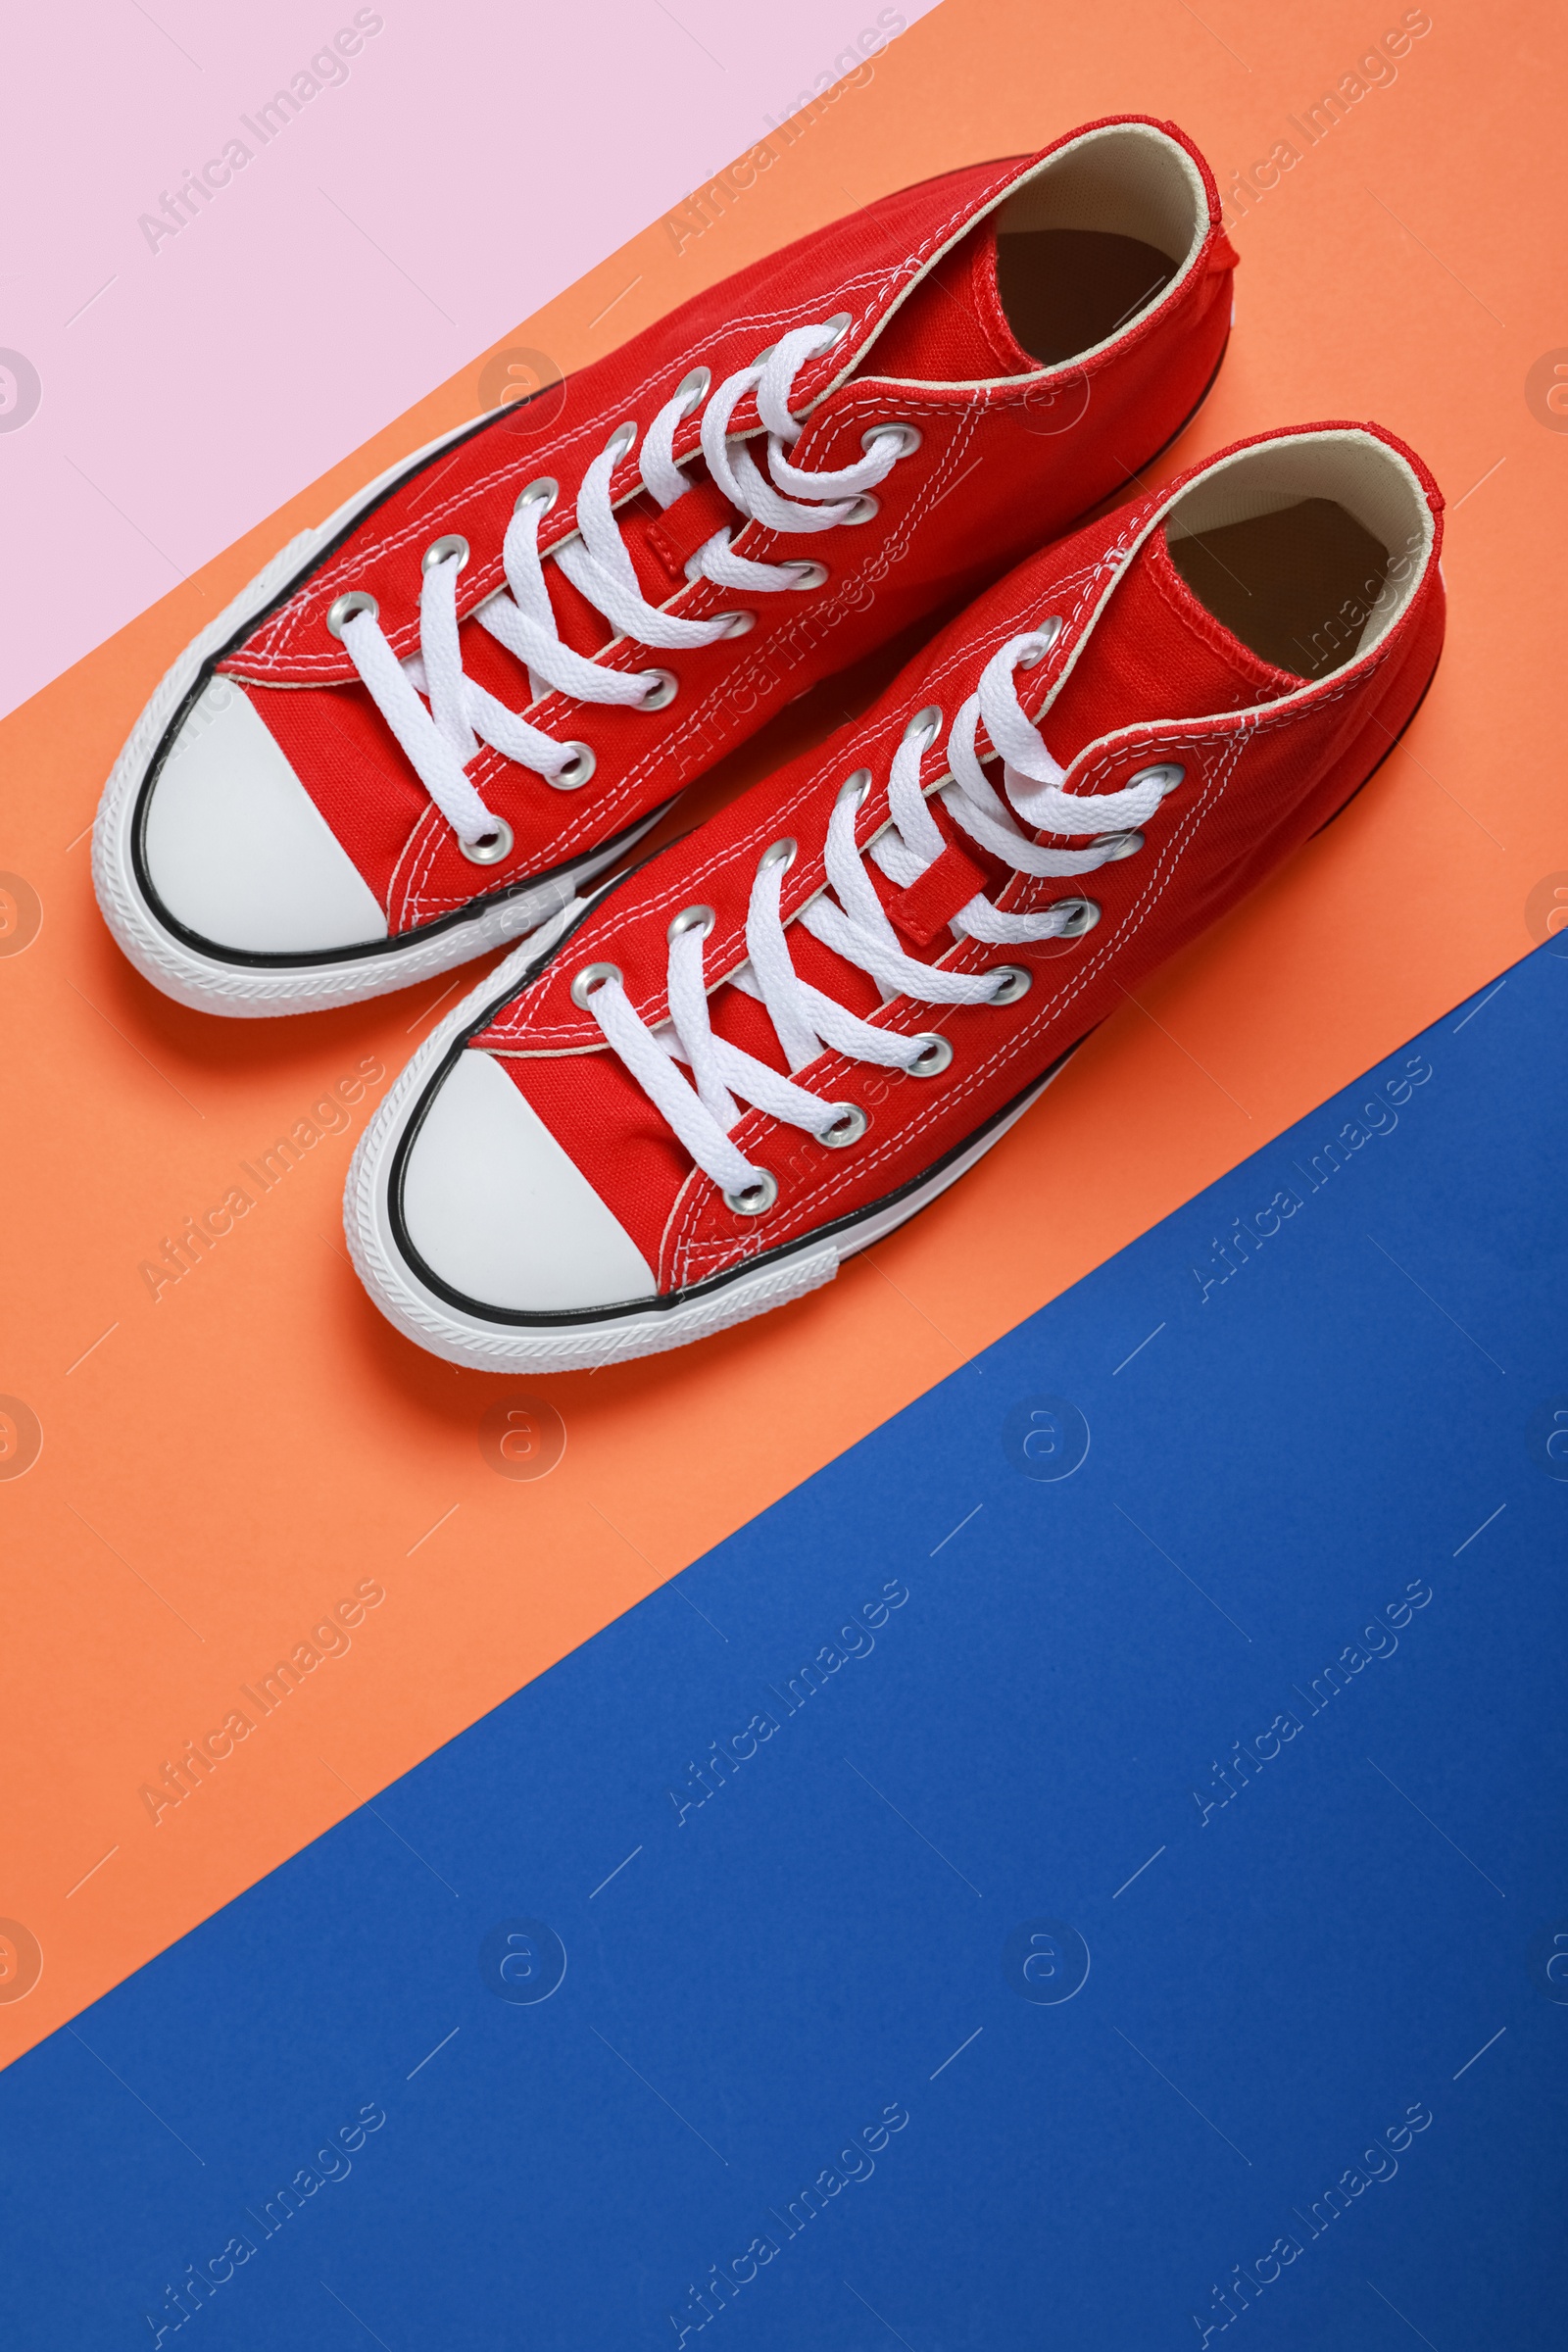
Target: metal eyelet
[
  {"x": 854, "y": 788},
  {"x": 864, "y": 506},
  {"x": 621, "y": 441},
  {"x": 1044, "y": 638},
  {"x": 764, "y": 355},
  {"x": 807, "y": 575},
  {"x": 454, "y": 548},
  {"x": 779, "y": 852},
  {"x": 909, "y": 437},
  {"x": 1082, "y": 915},
  {"x": 491, "y": 848},
  {"x": 1166, "y": 773},
  {"x": 737, "y": 624},
  {"x": 1116, "y": 846},
  {"x": 927, "y": 724},
  {"x": 542, "y": 493},
  {"x": 754, "y": 1200},
  {"x": 664, "y": 686},
  {"x": 848, "y": 1128},
  {"x": 838, "y": 327},
  {"x": 693, "y": 389},
  {"x": 345, "y": 609},
  {"x": 577, "y": 770},
  {"x": 935, "y": 1054},
  {"x": 1012, "y": 982},
  {"x": 587, "y": 983},
  {"x": 690, "y": 918}
]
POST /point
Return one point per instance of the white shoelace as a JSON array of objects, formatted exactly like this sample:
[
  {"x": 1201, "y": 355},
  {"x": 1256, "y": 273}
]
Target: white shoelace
[
  {"x": 439, "y": 714},
  {"x": 852, "y": 922}
]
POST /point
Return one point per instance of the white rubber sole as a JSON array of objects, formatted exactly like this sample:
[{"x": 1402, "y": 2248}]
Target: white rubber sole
[
  {"x": 434, "y": 1323},
  {"x": 248, "y": 992}
]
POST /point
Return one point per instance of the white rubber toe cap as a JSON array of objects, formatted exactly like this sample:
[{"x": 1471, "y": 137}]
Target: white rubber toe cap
[
  {"x": 238, "y": 851},
  {"x": 497, "y": 1209}
]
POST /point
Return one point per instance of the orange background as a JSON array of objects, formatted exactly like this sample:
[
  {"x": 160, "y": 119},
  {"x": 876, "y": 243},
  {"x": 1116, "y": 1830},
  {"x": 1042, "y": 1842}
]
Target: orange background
[{"x": 226, "y": 1464}]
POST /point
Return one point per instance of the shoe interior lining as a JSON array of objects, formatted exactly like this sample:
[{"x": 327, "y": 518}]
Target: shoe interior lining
[
  {"x": 1096, "y": 237},
  {"x": 1128, "y": 180},
  {"x": 1306, "y": 549},
  {"x": 1068, "y": 290}
]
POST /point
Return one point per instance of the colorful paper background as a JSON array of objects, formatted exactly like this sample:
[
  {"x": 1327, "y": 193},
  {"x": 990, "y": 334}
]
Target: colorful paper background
[{"x": 218, "y": 1468}]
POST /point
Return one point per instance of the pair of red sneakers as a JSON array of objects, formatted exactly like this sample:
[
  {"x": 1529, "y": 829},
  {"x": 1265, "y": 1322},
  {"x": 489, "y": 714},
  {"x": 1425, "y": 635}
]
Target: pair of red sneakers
[{"x": 689, "y": 1095}]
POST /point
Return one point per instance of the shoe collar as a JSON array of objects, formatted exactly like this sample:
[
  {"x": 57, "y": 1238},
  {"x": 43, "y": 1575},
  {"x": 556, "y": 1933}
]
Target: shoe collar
[{"x": 863, "y": 268}]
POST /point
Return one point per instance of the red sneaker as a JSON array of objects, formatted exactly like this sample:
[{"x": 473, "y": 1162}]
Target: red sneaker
[
  {"x": 780, "y": 1036},
  {"x": 427, "y": 722}
]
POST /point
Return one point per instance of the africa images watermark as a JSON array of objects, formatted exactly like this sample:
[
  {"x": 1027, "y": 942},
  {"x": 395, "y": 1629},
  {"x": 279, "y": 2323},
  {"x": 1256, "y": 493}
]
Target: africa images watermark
[
  {"x": 1378, "y": 1640},
  {"x": 200, "y": 1759},
  {"x": 705, "y": 2303},
  {"x": 851, "y": 70},
  {"x": 854, "y": 1640},
  {"x": 1248, "y": 2280},
  {"x": 199, "y": 1235},
  {"x": 1375, "y": 70},
  {"x": 328, "y": 69},
  {"x": 196, "y": 2288},
  {"x": 1379, "y": 1116}
]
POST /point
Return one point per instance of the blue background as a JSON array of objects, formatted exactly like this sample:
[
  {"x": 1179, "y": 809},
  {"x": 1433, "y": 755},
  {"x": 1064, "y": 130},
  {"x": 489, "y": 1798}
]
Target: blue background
[{"x": 1271, "y": 1984}]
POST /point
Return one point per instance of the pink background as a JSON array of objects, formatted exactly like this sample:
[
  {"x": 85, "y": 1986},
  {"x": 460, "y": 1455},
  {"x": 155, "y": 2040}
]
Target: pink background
[{"x": 470, "y": 165}]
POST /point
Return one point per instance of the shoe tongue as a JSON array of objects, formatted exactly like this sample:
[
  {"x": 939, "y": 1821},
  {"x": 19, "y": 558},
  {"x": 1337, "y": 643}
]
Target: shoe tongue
[
  {"x": 1157, "y": 653},
  {"x": 952, "y": 327}
]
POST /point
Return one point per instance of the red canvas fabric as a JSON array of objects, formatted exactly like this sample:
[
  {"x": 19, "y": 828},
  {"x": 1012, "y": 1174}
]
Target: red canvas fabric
[
  {"x": 1158, "y": 667},
  {"x": 1004, "y": 465}
]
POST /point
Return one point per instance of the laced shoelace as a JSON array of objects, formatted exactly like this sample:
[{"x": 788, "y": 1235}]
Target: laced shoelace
[
  {"x": 852, "y": 922},
  {"x": 439, "y": 714}
]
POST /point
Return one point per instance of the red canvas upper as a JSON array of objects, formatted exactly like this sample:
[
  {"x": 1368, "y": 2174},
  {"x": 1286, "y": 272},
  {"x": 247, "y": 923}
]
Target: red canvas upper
[
  {"x": 1268, "y": 760},
  {"x": 1011, "y": 453}
]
